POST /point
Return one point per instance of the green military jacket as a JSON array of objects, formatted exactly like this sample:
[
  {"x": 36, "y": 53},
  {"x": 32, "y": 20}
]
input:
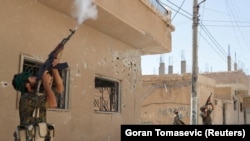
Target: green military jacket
[{"x": 32, "y": 108}]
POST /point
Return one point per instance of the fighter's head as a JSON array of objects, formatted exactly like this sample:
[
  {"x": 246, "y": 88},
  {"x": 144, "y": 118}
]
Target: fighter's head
[{"x": 19, "y": 81}]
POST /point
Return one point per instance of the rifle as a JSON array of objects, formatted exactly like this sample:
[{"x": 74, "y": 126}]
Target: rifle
[
  {"x": 56, "y": 53},
  {"x": 208, "y": 99}
]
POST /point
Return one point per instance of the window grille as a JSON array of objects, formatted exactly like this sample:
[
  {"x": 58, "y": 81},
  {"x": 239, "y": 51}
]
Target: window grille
[{"x": 106, "y": 96}]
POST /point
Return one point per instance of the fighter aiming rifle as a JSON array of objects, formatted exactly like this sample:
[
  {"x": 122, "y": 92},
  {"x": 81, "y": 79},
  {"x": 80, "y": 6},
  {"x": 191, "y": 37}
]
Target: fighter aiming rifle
[
  {"x": 55, "y": 54},
  {"x": 33, "y": 105},
  {"x": 206, "y": 111}
]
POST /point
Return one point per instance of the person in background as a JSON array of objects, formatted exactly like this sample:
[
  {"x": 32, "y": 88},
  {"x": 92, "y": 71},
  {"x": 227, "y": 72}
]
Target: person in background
[
  {"x": 177, "y": 118},
  {"x": 206, "y": 111}
]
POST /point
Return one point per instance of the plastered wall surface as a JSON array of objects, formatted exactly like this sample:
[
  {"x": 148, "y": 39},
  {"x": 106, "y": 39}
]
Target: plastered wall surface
[{"x": 34, "y": 29}]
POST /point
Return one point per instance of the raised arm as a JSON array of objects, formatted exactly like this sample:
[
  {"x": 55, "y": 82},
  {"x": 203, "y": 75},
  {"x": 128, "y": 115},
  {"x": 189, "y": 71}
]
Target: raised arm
[
  {"x": 57, "y": 78},
  {"x": 58, "y": 81},
  {"x": 47, "y": 84}
]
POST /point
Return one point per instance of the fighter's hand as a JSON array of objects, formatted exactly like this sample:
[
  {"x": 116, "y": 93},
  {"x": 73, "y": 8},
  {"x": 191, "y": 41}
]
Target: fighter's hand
[
  {"x": 55, "y": 62},
  {"x": 47, "y": 79}
]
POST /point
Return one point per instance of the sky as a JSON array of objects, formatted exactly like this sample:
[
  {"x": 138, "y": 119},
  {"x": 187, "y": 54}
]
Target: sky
[{"x": 224, "y": 29}]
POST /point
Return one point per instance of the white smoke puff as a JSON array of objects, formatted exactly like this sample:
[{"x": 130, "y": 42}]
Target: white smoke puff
[{"x": 84, "y": 9}]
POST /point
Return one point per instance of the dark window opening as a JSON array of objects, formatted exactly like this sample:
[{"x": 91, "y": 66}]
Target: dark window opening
[
  {"x": 241, "y": 107},
  {"x": 106, "y": 97}
]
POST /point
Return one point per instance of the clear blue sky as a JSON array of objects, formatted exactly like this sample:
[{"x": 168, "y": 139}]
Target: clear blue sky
[{"x": 223, "y": 23}]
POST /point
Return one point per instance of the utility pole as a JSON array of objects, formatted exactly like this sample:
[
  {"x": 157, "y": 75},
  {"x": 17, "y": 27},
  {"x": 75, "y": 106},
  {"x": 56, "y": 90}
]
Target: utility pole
[{"x": 194, "y": 98}]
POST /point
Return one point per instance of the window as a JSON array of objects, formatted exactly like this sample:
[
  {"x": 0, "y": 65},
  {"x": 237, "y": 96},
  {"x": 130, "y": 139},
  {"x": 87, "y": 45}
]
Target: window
[
  {"x": 241, "y": 107},
  {"x": 235, "y": 105},
  {"x": 106, "y": 96},
  {"x": 235, "y": 102},
  {"x": 32, "y": 65}
]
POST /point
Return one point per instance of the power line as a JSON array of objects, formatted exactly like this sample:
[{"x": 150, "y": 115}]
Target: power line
[
  {"x": 233, "y": 16},
  {"x": 226, "y": 25},
  {"x": 211, "y": 37},
  {"x": 180, "y": 8},
  {"x": 205, "y": 39},
  {"x": 222, "y": 21},
  {"x": 213, "y": 42},
  {"x": 177, "y": 11}
]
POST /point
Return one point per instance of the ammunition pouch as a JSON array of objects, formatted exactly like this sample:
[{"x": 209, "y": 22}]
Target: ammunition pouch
[{"x": 35, "y": 132}]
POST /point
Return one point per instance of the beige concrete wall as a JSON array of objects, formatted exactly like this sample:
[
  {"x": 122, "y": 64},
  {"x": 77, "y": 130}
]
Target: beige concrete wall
[
  {"x": 128, "y": 21},
  {"x": 234, "y": 92},
  {"x": 218, "y": 113},
  {"x": 31, "y": 28},
  {"x": 223, "y": 93},
  {"x": 164, "y": 93},
  {"x": 240, "y": 110},
  {"x": 247, "y": 121},
  {"x": 231, "y": 115},
  {"x": 246, "y": 103},
  {"x": 159, "y": 106},
  {"x": 158, "y": 103},
  {"x": 231, "y": 88},
  {"x": 128, "y": 11},
  {"x": 231, "y": 77}
]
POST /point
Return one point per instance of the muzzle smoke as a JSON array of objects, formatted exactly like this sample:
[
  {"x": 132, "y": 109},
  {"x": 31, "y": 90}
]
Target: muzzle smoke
[{"x": 84, "y": 9}]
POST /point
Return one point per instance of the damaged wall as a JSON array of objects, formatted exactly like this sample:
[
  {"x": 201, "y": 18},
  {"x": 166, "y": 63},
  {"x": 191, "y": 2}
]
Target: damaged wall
[
  {"x": 163, "y": 94},
  {"x": 33, "y": 29}
]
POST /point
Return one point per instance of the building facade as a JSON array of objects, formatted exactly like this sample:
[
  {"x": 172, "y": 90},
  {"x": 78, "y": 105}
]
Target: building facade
[
  {"x": 232, "y": 87},
  {"x": 102, "y": 82},
  {"x": 164, "y": 93}
]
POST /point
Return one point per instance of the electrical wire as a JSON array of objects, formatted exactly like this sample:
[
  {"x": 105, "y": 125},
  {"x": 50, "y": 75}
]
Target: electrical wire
[
  {"x": 234, "y": 17},
  {"x": 177, "y": 11},
  {"x": 214, "y": 44}
]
